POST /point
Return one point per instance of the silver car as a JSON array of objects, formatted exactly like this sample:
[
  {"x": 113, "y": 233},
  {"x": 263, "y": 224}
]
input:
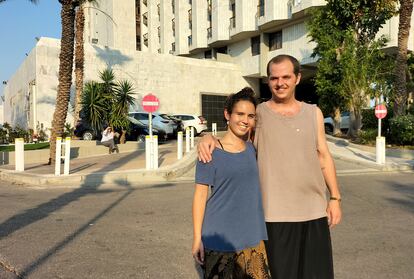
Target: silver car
[{"x": 158, "y": 121}]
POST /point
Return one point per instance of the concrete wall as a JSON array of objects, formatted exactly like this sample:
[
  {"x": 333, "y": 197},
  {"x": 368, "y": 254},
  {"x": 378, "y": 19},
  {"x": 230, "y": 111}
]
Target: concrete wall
[{"x": 177, "y": 81}]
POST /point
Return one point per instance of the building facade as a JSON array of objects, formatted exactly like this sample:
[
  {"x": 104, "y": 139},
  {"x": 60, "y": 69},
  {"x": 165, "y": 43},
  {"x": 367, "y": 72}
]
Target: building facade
[{"x": 192, "y": 53}]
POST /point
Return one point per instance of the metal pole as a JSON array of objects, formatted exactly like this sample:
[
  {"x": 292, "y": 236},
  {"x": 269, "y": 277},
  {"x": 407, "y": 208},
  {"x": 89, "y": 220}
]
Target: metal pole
[
  {"x": 58, "y": 155},
  {"x": 179, "y": 145},
  {"x": 67, "y": 156},
  {"x": 19, "y": 154}
]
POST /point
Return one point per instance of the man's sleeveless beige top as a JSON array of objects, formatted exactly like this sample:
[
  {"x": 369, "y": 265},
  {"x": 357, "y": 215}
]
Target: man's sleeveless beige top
[{"x": 291, "y": 178}]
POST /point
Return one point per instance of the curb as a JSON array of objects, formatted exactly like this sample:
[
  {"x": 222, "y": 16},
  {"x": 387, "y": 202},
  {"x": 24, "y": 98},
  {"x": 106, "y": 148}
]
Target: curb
[{"x": 127, "y": 177}]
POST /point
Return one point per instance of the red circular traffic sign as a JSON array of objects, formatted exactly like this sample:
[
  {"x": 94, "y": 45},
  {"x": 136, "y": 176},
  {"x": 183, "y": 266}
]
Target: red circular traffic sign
[
  {"x": 150, "y": 103},
  {"x": 380, "y": 111}
]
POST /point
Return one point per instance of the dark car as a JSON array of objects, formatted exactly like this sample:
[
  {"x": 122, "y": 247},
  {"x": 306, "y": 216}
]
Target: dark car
[
  {"x": 138, "y": 131},
  {"x": 84, "y": 131}
]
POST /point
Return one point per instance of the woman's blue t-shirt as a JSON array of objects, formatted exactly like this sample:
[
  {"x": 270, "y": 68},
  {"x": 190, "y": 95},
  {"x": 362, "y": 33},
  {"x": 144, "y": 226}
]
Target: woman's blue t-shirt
[{"x": 233, "y": 218}]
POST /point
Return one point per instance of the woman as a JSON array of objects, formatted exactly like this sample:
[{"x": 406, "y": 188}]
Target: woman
[
  {"x": 229, "y": 226},
  {"x": 108, "y": 139}
]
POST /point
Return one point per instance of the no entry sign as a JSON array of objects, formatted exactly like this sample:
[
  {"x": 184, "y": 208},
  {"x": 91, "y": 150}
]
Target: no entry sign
[
  {"x": 380, "y": 111},
  {"x": 150, "y": 103}
]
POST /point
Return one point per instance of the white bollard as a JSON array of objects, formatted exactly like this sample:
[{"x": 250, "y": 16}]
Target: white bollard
[
  {"x": 148, "y": 152},
  {"x": 192, "y": 137},
  {"x": 179, "y": 145},
  {"x": 380, "y": 150},
  {"x": 155, "y": 152},
  {"x": 58, "y": 155},
  {"x": 67, "y": 156},
  {"x": 19, "y": 154},
  {"x": 214, "y": 129},
  {"x": 187, "y": 140}
]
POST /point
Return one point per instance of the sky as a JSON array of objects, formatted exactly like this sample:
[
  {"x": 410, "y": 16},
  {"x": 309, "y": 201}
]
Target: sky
[{"x": 21, "y": 22}]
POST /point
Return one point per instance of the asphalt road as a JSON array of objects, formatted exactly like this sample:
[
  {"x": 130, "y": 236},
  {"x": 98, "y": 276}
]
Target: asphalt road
[{"x": 145, "y": 231}]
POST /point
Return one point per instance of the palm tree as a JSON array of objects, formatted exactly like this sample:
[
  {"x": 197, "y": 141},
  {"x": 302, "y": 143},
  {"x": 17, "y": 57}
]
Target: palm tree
[
  {"x": 107, "y": 102},
  {"x": 80, "y": 53},
  {"x": 400, "y": 97},
  {"x": 79, "y": 59},
  {"x": 67, "y": 15}
]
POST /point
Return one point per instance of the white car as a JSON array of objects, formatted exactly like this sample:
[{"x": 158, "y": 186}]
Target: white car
[
  {"x": 329, "y": 123},
  {"x": 159, "y": 122},
  {"x": 190, "y": 120}
]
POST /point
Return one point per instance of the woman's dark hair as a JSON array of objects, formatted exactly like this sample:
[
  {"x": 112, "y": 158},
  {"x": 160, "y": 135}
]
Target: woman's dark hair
[{"x": 246, "y": 94}]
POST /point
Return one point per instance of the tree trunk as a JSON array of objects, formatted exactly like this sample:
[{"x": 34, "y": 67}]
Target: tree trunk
[
  {"x": 65, "y": 73},
  {"x": 400, "y": 97},
  {"x": 337, "y": 122},
  {"x": 79, "y": 61}
]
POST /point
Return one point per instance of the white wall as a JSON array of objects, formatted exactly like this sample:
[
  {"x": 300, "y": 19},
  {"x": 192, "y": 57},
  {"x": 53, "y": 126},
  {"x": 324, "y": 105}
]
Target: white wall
[{"x": 177, "y": 81}]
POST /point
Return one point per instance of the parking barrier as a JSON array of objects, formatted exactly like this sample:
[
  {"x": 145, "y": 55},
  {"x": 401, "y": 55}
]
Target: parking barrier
[
  {"x": 19, "y": 154},
  {"x": 65, "y": 157},
  {"x": 187, "y": 140},
  {"x": 179, "y": 145},
  {"x": 151, "y": 152}
]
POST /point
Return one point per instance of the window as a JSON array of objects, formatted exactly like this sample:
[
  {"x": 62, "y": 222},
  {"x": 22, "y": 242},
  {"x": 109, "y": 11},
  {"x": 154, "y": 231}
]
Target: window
[
  {"x": 173, "y": 26},
  {"x": 190, "y": 40},
  {"x": 173, "y": 6},
  {"x": 222, "y": 50},
  {"x": 275, "y": 40},
  {"x": 173, "y": 47},
  {"x": 208, "y": 54},
  {"x": 255, "y": 45}
]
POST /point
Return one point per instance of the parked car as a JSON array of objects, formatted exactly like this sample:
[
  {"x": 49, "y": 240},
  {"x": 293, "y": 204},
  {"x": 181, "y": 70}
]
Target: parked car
[
  {"x": 329, "y": 123},
  {"x": 138, "y": 131},
  {"x": 84, "y": 131},
  {"x": 178, "y": 123},
  {"x": 159, "y": 122},
  {"x": 190, "y": 120}
]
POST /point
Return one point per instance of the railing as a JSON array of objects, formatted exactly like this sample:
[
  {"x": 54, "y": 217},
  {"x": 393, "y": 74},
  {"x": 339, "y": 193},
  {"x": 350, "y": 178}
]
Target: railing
[
  {"x": 145, "y": 36},
  {"x": 260, "y": 10},
  {"x": 145, "y": 18},
  {"x": 232, "y": 22}
]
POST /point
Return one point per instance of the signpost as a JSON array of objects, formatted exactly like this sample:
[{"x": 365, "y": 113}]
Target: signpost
[
  {"x": 150, "y": 104},
  {"x": 380, "y": 113}
]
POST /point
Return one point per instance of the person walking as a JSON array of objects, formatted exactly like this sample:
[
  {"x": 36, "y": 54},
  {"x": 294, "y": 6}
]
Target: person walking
[
  {"x": 296, "y": 168},
  {"x": 229, "y": 226}
]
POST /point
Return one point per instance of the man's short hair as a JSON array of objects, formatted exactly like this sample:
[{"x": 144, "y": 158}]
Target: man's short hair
[{"x": 281, "y": 58}]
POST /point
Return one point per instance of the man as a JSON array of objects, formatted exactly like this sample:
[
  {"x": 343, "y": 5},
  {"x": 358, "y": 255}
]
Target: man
[{"x": 295, "y": 167}]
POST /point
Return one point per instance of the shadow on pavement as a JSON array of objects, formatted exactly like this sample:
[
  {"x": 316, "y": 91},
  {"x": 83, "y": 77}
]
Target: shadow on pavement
[
  {"x": 30, "y": 216},
  {"x": 407, "y": 193}
]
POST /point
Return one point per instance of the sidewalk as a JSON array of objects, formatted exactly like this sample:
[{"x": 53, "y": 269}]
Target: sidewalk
[{"x": 129, "y": 168}]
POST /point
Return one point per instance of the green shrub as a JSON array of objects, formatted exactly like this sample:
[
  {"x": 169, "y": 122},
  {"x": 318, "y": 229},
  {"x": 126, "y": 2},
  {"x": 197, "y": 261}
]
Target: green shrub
[
  {"x": 402, "y": 130},
  {"x": 367, "y": 136},
  {"x": 369, "y": 121}
]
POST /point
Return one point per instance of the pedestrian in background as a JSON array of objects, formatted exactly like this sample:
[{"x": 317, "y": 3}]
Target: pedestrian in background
[{"x": 107, "y": 140}]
